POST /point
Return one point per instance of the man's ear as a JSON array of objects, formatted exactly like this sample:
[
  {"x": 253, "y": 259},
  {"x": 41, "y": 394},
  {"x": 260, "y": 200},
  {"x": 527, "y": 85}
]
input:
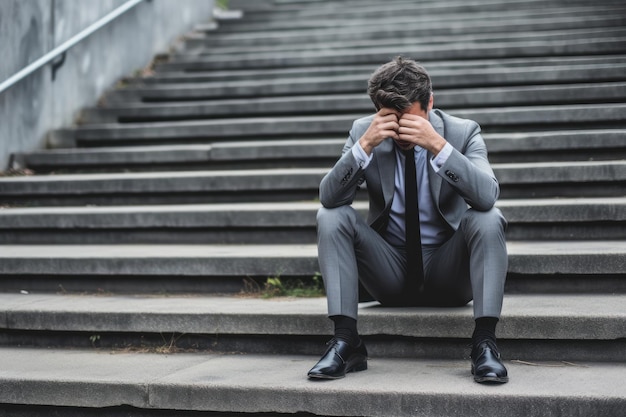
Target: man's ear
[{"x": 431, "y": 101}]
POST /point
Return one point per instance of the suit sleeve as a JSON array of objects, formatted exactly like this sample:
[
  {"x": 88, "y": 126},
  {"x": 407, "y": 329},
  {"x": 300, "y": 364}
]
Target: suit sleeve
[
  {"x": 340, "y": 184},
  {"x": 469, "y": 173}
]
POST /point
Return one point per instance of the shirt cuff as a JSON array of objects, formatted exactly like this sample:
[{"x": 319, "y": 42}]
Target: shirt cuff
[
  {"x": 362, "y": 158},
  {"x": 441, "y": 158}
]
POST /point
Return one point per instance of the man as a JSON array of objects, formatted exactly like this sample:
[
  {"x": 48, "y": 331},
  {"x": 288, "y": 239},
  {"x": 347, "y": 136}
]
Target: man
[{"x": 444, "y": 247}]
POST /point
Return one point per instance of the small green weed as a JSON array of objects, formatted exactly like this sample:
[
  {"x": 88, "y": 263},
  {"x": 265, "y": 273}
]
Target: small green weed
[
  {"x": 222, "y": 4},
  {"x": 94, "y": 339},
  {"x": 277, "y": 287}
]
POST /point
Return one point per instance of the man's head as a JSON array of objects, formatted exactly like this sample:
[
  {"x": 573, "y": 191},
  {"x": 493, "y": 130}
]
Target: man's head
[{"x": 399, "y": 84}]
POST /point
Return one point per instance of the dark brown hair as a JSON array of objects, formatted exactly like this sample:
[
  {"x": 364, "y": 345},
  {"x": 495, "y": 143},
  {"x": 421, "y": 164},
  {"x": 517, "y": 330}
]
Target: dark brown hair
[{"x": 400, "y": 83}]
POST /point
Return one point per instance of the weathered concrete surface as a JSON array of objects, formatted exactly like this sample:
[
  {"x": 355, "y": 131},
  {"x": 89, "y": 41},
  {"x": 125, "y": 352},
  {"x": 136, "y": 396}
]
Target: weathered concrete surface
[
  {"x": 505, "y": 147},
  {"x": 283, "y": 214},
  {"x": 427, "y": 52},
  {"x": 521, "y": 180},
  {"x": 458, "y": 98},
  {"x": 443, "y": 73},
  {"x": 29, "y": 29},
  {"x": 524, "y": 317},
  {"x": 525, "y": 257},
  {"x": 124, "y": 105},
  {"x": 388, "y": 388},
  {"x": 574, "y": 115},
  {"x": 287, "y": 44}
]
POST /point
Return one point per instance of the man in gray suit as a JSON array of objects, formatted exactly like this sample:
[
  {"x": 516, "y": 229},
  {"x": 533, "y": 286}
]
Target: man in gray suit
[{"x": 433, "y": 236}]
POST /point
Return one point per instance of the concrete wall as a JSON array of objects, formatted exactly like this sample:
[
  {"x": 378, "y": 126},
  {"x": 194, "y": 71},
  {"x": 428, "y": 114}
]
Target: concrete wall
[{"x": 30, "y": 28}]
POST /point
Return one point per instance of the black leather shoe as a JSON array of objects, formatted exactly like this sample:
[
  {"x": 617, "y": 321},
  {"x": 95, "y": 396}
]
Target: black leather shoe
[
  {"x": 339, "y": 359},
  {"x": 487, "y": 366}
]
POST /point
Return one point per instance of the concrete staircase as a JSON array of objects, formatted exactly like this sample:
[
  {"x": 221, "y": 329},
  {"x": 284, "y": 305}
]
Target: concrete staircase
[{"x": 122, "y": 261}]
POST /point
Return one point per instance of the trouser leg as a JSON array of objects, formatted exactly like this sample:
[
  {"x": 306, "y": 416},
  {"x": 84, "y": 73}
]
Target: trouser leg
[
  {"x": 348, "y": 249},
  {"x": 472, "y": 264}
]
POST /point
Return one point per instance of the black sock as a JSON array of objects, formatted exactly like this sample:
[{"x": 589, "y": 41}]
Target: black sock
[
  {"x": 485, "y": 330},
  {"x": 345, "y": 329}
]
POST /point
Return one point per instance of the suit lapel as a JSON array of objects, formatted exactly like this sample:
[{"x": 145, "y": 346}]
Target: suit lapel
[{"x": 434, "y": 179}]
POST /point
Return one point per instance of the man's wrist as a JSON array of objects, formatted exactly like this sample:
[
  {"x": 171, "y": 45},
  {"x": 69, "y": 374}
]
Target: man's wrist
[
  {"x": 361, "y": 157},
  {"x": 442, "y": 157},
  {"x": 367, "y": 148},
  {"x": 438, "y": 146}
]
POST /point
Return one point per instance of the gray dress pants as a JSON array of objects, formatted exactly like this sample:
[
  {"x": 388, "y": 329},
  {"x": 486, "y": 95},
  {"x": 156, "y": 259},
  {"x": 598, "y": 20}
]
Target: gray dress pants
[{"x": 471, "y": 265}]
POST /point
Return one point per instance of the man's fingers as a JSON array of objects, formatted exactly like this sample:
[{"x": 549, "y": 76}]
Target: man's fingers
[
  {"x": 390, "y": 125},
  {"x": 410, "y": 121},
  {"x": 386, "y": 111}
]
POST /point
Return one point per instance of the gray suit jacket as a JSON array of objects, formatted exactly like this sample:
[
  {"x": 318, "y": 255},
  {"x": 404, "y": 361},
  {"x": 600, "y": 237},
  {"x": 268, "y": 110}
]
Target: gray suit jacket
[{"x": 465, "y": 179}]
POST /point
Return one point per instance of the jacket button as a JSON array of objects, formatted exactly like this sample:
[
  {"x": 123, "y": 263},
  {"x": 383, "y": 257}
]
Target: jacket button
[{"x": 452, "y": 176}]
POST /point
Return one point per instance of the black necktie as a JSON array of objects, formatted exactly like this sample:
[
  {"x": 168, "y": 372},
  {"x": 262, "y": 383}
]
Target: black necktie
[{"x": 414, "y": 264}]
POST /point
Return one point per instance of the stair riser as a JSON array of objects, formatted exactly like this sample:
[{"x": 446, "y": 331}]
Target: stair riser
[
  {"x": 508, "y": 119},
  {"x": 378, "y": 346},
  {"x": 304, "y": 38},
  {"x": 116, "y": 276},
  {"x": 601, "y": 93},
  {"x": 353, "y": 103},
  {"x": 503, "y": 148},
  {"x": 591, "y": 189},
  {"x": 444, "y": 73},
  {"x": 195, "y": 235},
  {"x": 516, "y": 181},
  {"x": 81, "y": 164},
  {"x": 403, "y": 16},
  {"x": 426, "y": 54},
  {"x": 612, "y": 28}
]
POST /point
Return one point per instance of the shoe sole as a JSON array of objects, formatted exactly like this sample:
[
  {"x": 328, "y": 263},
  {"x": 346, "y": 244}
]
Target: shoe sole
[
  {"x": 357, "y": 367},
  {"x": 490, "y": 379}
]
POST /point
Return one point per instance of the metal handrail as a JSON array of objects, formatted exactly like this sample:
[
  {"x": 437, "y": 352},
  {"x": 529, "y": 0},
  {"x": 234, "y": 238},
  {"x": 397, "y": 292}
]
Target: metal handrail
[{"x": 26, "y": 71}]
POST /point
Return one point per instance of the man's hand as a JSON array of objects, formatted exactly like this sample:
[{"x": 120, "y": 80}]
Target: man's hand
[
  {"x": 416, "y": 130},
  {"x": 385, "y": 125}
]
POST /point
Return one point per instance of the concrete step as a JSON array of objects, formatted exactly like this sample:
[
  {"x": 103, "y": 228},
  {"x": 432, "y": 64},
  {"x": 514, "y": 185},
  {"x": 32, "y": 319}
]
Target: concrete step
[
  {"x": 153, "y": 383},
  {"x": 318, "y": 9},
  {"x": 164, "y": 72},
  {"x": 294, "y": 222},
  {"x": 604, "y": 28},
  {"x": 321, "y": 7},
  {"x": 561, "y": 145},
  {"x": 593, "y": 19},
  {"x": 573, "y": 145},
  {"x": 599, "y": 45},
  {"x": 534, "y": 266},
  {"x": 178, "y": 101},
  {"x": 440, "y": 14},
  {"x": 530, "y": 329},
  {"x": 285, "y": 90},
  {"x": 443, "y": 79},
  {"x": 564, "y": 117},
  {"x": 286, "y": 153},
  {"x": 518, "y": 68},
  {"x": 522, "y": 180}
]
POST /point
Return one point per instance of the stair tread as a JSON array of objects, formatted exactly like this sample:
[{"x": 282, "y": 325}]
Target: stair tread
[
  {"x": 390, "y": 387},
  {"x": 172, "y": 251},
  {"x": 206, "y": 260},
  {"x": 528, "y": 316},
  {"x": 94, "y": 177},
  {"x": 282, "y": 213}
]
